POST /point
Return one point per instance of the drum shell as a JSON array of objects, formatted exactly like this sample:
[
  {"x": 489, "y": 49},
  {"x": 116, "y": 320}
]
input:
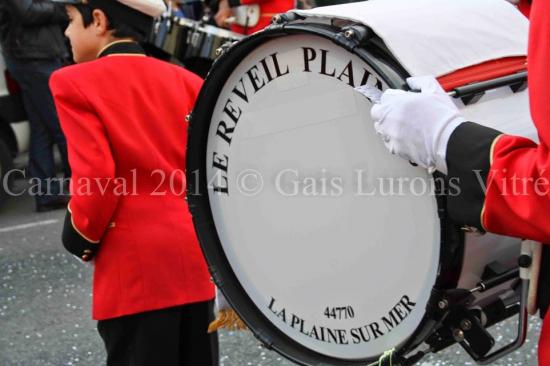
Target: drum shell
[
  {"x": 452, "y": 246},
  {"x": 219, "y": 265}
]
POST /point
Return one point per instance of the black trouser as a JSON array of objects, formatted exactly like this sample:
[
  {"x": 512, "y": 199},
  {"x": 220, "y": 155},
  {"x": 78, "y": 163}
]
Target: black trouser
[
  {"x": 33, "y": 77},
  {"x": 169, "y": 337}
]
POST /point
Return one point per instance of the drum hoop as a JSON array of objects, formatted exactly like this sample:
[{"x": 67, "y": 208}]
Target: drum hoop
[{"x": 389, "y": 70}]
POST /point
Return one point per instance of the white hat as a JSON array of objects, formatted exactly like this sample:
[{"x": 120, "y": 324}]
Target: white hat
[{"x": 152, "y": 8}]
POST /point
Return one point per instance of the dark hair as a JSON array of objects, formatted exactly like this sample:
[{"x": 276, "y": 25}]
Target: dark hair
[{"x": 121, "y": 29}]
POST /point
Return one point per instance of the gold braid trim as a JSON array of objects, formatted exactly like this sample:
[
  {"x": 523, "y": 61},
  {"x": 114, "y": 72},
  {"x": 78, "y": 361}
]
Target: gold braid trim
[
  {"x": 228, "y": 319},
  {"x": 491, "y": 155}
]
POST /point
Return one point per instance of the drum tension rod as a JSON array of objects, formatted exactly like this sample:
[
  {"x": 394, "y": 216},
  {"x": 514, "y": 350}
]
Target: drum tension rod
[
  {"x": 287, "y": 17},
  {"x": 495, "y": 281},
  {"x": 471, "y": 93},
  {"x": 357, "y": 33}
]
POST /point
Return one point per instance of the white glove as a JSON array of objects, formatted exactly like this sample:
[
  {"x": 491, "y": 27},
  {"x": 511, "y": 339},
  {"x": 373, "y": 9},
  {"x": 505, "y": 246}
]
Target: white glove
[{"x": 417, "y": 126}]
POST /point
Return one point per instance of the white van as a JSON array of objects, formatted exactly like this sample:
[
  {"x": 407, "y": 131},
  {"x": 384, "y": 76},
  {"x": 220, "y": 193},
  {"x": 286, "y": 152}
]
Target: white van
[{"x": 14, "y": 127}]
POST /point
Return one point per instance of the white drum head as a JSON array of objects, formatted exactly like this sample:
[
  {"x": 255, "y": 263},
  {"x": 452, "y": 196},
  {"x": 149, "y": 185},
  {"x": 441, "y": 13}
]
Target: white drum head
[{"x": 334, "y": 240}]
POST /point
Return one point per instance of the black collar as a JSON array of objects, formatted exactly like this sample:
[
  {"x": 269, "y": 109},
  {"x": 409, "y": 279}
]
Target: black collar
[{"x": 123, "y": 47}]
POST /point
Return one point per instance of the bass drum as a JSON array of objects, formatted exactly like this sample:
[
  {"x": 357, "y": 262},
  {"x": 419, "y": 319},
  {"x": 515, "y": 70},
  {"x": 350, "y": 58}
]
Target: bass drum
[{"x": 331, "y": 250}]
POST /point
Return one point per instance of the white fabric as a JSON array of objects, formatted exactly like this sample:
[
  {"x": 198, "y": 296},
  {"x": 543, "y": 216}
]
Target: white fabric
[
  {"x": 436, "y": 37},
  {"x": 153, "y": 8},
  {"x": 536, "y": 256},
  {"x": 247, "y": 15},
  {"x": 417, "y": 126},
  {"x": 221, "y": 301}
]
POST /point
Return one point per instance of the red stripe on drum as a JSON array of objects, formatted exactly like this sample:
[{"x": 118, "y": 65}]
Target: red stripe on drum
[{"x": 485, "y": 71}]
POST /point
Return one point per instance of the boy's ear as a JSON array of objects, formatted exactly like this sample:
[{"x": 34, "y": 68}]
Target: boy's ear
[{"x": 100, "y": 22}]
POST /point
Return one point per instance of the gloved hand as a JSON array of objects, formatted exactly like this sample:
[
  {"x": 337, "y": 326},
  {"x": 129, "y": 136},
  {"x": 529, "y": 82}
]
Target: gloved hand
[
  {"x": 417, "y": 125},
  {"x": 226, "y": 317}
]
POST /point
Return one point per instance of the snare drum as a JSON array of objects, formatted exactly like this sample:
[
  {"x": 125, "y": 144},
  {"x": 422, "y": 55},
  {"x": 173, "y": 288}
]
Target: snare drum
[
  {"x": 206, "y": 39},
  {"x": 174, "y": 36},
  {"x": 202, "y": 45},
  {"x": 331, "y": 250}
]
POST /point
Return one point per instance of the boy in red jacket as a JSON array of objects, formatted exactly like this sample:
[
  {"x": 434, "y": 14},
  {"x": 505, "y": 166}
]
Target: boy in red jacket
[{"x": 124, "y": 117}]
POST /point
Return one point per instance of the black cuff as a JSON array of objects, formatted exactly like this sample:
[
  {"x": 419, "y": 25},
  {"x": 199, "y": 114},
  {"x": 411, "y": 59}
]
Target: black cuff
[
  {"x": 468, "y": 162},
  {"x": 234, "y": 3},
  {"x": 75, "y": 243}
]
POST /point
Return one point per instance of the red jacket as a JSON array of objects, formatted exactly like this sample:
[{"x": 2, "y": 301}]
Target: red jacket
[
  {"x": 124, "y": 118},
  {"x": 268, "y": 9}
]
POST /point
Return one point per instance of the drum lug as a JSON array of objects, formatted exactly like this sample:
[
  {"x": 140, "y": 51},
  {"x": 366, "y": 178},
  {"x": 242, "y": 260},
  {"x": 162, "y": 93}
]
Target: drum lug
[
  {"x": 285, "y": 18},
  {"x": 220, "y": 51},
  {"x": 358, "y": 34},
  {"x": 448, "y": 300},
  {"x": 458, "y": 335},
  {"x": 468, "y": 331},
  {"x": 473, "y": 98},
  {"x": 443, "y": 304},
  {"x": 519, "y": 87}
]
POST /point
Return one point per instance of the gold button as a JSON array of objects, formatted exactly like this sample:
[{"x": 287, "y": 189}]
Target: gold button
[
  {"x": 469, "y": 229},
  {"x": 87, "y": 255}
]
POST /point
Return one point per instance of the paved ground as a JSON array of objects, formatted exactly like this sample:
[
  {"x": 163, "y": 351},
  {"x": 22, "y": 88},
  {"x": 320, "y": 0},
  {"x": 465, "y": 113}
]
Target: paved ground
[{"x": 45, "y": 304}]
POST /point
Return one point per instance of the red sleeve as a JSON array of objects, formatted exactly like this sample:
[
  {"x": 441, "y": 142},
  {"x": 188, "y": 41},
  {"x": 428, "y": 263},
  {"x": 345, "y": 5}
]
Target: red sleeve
[
  {"x": 505, "y": 180},
  {"x": 517, "y": 199},
  {"x": 93, "y": 193}
]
